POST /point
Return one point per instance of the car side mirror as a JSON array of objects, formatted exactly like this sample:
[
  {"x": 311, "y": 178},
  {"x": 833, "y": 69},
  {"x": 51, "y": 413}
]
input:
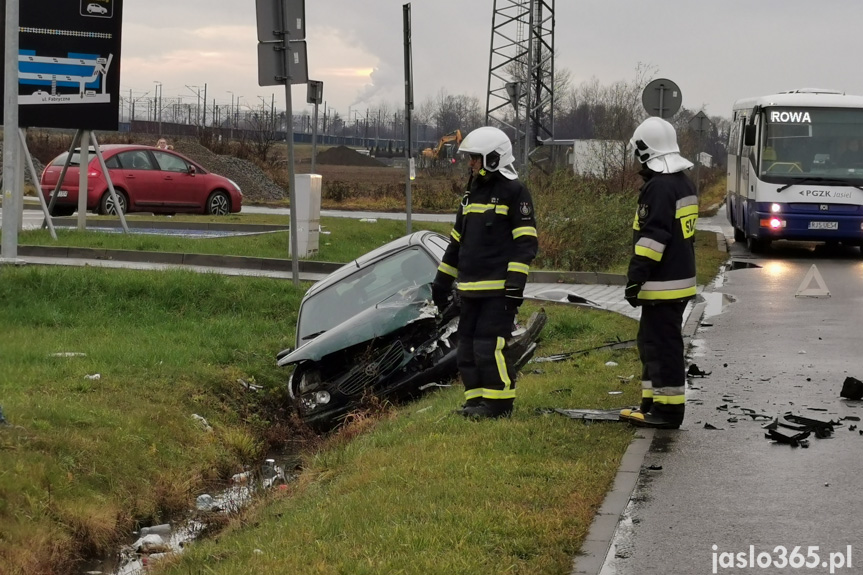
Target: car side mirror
[{"x": 192, "y": 170}]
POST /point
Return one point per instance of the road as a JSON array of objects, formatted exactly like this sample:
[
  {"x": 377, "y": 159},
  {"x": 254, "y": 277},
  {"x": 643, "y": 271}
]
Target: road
[{"x": 703, "y": 494}]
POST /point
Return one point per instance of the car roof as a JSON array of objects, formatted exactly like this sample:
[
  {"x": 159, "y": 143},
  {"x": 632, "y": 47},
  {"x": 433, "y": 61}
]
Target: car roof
[{"x": 415, "y": 239}]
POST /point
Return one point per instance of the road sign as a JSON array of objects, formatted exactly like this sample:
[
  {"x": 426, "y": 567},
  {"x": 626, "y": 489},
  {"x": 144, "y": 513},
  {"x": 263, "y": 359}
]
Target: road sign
[
  {"x": 69, "y": 64},
  {"x": 271, "y": 67},
  {"x": 315, "y": 92},
  {"x": 700, "y": 122},
  {"x": 661, "y": 98},
  {"x": 271, "y": 22}
]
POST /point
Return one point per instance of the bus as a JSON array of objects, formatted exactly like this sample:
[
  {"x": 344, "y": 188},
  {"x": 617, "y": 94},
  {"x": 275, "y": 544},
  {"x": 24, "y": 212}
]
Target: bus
[{"x": 795, "y": 168}]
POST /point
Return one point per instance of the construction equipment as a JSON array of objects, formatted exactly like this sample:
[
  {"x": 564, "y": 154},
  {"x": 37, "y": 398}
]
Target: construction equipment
[{"x": 444, "y": 152}]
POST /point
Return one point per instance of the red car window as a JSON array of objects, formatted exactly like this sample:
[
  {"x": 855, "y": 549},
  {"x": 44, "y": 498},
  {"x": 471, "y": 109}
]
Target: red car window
[
  {"x": 136, "y": 160},
  {"x": 170, "y": 162}
]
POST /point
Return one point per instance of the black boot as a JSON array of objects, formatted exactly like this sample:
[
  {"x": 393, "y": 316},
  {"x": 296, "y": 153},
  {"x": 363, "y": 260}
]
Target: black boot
[{"x": 489, "y": 409}]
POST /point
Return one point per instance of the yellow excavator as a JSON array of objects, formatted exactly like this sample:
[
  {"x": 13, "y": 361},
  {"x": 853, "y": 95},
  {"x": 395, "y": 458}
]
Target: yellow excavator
[{"x": 445, "y": 150}]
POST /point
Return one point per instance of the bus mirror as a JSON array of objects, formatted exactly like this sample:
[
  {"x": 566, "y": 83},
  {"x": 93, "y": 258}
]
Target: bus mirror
[{"x": 749, "y": 136}]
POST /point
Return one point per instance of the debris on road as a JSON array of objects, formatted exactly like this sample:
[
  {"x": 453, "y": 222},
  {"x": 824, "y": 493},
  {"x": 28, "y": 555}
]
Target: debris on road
[
  {"x": 564, "y": 356},
  {"x": 852, "y": 388},
  {"x": 586, "y": 414},
  {"x": 695, "y": 371},
  {"x": 794, "y": 429}
]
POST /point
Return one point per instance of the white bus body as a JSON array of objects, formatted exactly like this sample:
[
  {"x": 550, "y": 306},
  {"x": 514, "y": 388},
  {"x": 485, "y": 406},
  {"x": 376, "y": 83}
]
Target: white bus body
[{"x": 793, "y": 172}]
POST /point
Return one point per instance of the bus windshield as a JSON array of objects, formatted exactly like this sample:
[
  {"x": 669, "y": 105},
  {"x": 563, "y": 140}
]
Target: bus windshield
[{"x": 812, "y": 142}]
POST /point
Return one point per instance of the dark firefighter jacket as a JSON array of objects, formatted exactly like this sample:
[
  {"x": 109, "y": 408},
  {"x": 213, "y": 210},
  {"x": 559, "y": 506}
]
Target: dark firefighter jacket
[
  {"x": 663, "y": 258},
  {"x": 494, "y": 238}
]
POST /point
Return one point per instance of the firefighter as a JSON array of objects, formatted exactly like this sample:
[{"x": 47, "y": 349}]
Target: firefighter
[
  {"x": 661, "y": 274},
  {"x": 491, "y": 248}
]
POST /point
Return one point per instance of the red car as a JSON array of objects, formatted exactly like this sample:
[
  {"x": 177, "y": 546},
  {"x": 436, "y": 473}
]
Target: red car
[{"x": 146, "y": 179}]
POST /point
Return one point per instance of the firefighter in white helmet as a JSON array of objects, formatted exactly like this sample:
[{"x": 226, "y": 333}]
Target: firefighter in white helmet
[
  {"x": 661, "y": 274},
  {"x": 491, "y": 248}
]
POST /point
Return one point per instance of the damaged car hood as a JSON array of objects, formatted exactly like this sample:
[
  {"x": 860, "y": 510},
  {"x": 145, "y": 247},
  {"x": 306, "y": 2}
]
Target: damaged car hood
[{"x": 391, "y": 314}]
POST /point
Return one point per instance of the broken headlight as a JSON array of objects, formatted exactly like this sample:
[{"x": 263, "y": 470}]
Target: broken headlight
[
  {"x": 310, "y": 380},
  {"x": 310, "y": 401}
]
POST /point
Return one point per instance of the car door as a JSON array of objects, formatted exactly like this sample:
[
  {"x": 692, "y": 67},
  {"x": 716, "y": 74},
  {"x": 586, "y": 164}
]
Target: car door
[
  {"x": 140, "y": 179},
  {"x": 181, "y": 187}
]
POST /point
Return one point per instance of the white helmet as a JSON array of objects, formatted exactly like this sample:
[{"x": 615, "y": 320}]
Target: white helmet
[
  {"x": 655, "y": 144},
  {"x": 494, "y": 147}
]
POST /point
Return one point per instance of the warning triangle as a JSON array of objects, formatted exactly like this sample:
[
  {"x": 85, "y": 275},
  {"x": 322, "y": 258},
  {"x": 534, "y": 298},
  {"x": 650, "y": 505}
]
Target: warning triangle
[{"x": 805, "y": 291}]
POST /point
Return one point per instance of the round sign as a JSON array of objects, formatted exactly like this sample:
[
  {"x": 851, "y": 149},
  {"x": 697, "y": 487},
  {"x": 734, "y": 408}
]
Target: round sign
[{"x": 661, "y": 98}]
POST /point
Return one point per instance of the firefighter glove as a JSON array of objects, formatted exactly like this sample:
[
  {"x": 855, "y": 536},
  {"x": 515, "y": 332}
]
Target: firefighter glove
[
  {"x": 631, "y": 293},
  {"x": 514, "y": 295},
  {"x": 441, "y": 296}
]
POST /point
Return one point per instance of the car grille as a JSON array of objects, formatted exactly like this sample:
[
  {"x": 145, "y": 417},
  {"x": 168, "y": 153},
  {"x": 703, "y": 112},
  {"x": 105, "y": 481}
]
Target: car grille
[{"x": 372, "y": 370}]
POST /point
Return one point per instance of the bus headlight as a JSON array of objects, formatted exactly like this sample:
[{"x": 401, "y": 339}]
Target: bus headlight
[{"x": 775, "y": 208}]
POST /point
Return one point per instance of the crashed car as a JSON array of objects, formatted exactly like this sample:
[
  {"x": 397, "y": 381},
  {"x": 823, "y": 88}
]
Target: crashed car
[{"x": 370, "y": 329}]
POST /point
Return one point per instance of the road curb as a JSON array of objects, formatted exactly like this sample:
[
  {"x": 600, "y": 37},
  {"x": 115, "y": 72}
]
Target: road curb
[{"x": 595, "y": 548}]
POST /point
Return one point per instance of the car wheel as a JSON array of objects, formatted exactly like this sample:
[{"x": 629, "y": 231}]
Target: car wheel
[
  {"x": 106, "y": 204},
  {"x": 218, "y": 204},
  {"x": 62, "y": 211}
]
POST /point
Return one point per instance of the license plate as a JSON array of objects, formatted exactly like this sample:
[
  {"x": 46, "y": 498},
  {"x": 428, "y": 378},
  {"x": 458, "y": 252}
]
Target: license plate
[
  {"x": 823, "y": 225},
  {"x": 61, "y": 193}
]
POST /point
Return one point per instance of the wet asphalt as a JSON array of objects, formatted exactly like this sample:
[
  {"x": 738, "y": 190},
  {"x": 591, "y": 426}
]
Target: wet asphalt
[{"x": 729, "y": 500}]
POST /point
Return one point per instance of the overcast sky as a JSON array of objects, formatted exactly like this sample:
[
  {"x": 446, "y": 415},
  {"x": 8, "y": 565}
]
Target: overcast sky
[{"x": 716, "y": 52}]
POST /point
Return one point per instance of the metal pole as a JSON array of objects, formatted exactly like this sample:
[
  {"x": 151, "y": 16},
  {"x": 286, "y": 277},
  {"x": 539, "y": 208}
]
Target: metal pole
[
  {"x": 83, "y": 164},
  {"x": 11, "y": 147},
  {"x": 409, "y": 104},
  {"x": 286, "y": 43},
  {"x": 315, "y": 138}
]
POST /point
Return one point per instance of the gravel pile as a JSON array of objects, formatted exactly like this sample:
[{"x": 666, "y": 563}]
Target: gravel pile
[
  {"x": 344, "y": 156},
  {"x": 254, "y": 182},
  {"x": 36, "y": 164}
]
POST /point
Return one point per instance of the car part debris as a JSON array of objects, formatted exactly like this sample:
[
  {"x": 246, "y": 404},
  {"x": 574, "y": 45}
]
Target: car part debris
[
  {"x": 619, "y": 344},
  {"x": 249, "y": 386},
  {"x": 792, "y": 429},
  {"x": 711, "y": 426},
  {"x": 852, "y": 388},
  {"x": 588, "y": 414},
  {"x": 695, "y": 371}
]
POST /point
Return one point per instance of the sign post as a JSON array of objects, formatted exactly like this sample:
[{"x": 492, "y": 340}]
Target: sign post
[
  {"x": 282, "y": 60},
  {"x": 315, "y": 95},
  {"x": 700, "y": 123}
]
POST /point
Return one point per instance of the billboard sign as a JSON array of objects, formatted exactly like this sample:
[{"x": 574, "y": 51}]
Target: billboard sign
[{"x": 69, "y": 63}]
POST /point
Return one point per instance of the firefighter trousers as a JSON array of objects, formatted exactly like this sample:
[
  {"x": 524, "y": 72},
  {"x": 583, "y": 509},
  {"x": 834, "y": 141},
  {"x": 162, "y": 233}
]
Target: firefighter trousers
[
  {"x": 485, "y": 324},
  {"x": 660, "y": 347}
]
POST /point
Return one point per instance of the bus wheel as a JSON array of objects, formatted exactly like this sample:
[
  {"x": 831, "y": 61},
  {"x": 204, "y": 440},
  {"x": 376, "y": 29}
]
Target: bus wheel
[
  {"x": 739, "y": 236},
  {"x": 757, "y": 246}
]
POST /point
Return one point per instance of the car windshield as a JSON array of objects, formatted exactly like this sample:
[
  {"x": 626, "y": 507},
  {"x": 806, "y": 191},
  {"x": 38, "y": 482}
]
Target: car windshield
[
  {"x": 363, "y": 289},
  {"x": 812, "y": 142}
]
